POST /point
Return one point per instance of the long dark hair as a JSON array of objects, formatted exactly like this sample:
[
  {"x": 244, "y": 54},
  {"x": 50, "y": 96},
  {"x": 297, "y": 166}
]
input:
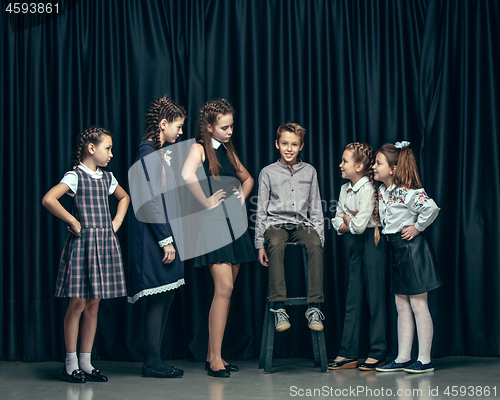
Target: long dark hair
[
  {"x": 91, "y": 134},
  {"x": 209, "y": 115},
  {"x": 161, "y": 108}
]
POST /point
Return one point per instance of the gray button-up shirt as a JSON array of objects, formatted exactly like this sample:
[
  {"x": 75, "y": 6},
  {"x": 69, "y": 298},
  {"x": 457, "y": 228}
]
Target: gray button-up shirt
[{"x": 288, "y": 196}]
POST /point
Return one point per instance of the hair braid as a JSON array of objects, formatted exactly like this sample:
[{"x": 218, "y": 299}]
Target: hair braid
[
  {"x": 363, "y": 153},
  {"x": 160, "y": 109},
  {"x": 91, "y": 134},
  {"x": 209, "y": 115}
]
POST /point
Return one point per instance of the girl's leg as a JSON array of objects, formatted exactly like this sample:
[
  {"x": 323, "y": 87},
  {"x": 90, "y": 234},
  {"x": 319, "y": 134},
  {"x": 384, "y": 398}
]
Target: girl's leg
[
  {"x": 406, "y": 328},
  {"x": 425, "y": 328},
  {"x": 87, "y": 333},
  {"x": 71, "y": 327},
  {"x": 155, "y": 321},
  {"x": 169, "y": 297},
  {"x": 223, "y": 275}
]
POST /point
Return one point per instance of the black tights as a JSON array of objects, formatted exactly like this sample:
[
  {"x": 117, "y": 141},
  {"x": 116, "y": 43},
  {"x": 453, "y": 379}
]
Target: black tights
[{"x": 155, "y": 320}]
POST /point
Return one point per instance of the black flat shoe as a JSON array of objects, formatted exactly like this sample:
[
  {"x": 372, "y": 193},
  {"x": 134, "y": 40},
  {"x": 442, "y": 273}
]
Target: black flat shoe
[
  {"x": 95, "y": 376},
  {"x": 75, "y": 377},
  {"x": 166, "y": 373},
  {"x": 343, "y": 364},
  {"x": 229, "y": 367},
  {"x": 221, "y": 373},
  {"x": 370, "y": 366}
]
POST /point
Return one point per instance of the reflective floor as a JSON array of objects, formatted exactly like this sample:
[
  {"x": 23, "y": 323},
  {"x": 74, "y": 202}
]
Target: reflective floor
[{"x": 454, "y": 377}]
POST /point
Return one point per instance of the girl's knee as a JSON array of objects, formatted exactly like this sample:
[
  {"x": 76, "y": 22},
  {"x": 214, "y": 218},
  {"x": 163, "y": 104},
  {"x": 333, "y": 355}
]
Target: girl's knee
[
  {"x": 92, "y": 306},
  {"x": 225, "y": 290},
  {"x": 76, "y": 306}
]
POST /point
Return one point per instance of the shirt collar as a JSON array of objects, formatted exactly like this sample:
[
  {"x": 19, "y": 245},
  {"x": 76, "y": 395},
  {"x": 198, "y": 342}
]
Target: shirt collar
[
  {"x": 93, "y": 174},
  {"x": 358, "y": 184},
  {"x": 216, "y": 144},
  {"x": 295, "y": 166}
]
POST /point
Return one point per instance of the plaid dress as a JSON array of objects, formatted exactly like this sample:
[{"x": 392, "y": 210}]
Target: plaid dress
[{"x": 91, "y": 264}]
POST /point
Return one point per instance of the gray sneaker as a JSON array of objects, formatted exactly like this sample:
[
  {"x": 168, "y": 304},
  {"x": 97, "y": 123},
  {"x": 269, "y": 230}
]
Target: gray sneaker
[
  {"x": 314, "y": 317},
  {"x": 281, "y": 322}
]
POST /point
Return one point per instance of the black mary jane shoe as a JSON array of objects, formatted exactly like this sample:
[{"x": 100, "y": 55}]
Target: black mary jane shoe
[
  {"x": 346, "y": 363},
  {"x": 221, "y": 373},
  {"x": 166, "y": 373},
  {"x": 95, "y": 376},
  {"x": 370, "y": 366},
  {"x": 75, "y": 377},
  {"x": 229, "y": 367}
]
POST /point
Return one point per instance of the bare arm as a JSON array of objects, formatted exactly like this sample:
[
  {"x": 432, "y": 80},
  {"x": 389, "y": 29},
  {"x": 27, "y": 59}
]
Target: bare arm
[
  {"x": 123, "y": 202},
  {"x": 194, "y": 159},
  {"x": 51, "y": 202}
]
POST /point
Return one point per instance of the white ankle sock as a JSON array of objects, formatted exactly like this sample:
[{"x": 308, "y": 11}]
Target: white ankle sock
[
  {"x": 71, "y": 362},
  {"x": 85, "y": 363}
]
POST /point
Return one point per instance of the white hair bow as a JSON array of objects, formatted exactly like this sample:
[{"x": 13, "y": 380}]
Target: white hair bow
[{"x": 402, "y": 144}]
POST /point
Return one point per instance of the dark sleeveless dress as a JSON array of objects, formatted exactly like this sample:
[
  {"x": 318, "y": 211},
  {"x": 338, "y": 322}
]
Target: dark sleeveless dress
[{"x": 240, "y": 249}]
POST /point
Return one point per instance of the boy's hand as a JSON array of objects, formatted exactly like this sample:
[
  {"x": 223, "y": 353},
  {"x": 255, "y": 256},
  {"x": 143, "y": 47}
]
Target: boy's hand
[{"x": 264, "y": 260}]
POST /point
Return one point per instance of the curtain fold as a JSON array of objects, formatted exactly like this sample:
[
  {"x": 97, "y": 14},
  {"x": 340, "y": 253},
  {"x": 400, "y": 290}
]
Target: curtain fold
[{"x": 379, "y": 71}]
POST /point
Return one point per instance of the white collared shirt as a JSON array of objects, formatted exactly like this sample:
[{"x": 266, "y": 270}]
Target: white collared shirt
[
  {"x": 400, "y": 207},
  {"x": 70, "y": 178},
  {"x": 357, "y": 202},
  {"x": 216, "y": 144}
]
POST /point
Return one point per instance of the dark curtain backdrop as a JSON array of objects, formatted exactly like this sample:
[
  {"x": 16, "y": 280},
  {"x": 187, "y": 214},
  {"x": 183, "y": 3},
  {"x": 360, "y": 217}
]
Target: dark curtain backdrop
[{"x": 376, "y": 71}]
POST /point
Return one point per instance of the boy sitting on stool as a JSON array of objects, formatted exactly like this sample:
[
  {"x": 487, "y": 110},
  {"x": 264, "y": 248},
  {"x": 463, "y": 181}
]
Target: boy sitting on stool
[{"x": 289, "y": 210}]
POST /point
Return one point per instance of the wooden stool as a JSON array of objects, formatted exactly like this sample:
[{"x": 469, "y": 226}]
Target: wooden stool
[{"x": 295, "y": 264}]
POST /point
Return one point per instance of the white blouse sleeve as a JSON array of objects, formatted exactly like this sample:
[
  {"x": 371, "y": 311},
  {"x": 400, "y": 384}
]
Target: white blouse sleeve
[
  {"x": 114, "y": 184},
  {"x": 337, "y": 221},
  {"x": 366, "y": 203},
  {"x": 70, "y": 178},
  {"x": 419, "y": 203}
]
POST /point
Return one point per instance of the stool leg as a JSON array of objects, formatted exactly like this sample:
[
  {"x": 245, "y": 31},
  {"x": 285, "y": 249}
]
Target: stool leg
[
  {"x": 314, "y": 338},
  {"x": 270, "y": 341},
  {"x": 322, "y": 351},
  {"x": 263, "y": 344}
]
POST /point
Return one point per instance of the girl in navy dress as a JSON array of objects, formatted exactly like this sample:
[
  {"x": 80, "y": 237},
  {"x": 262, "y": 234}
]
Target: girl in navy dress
[
  {"x": 215, "y": 152},
  {"x": 405, "y": 212},
  {"x": 357, "y": 213},
  {"x": 91, "y": 265},
  {"x": 156, "y": 269}
]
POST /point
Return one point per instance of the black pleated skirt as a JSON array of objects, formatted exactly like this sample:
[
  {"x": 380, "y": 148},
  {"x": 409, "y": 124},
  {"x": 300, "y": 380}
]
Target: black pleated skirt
[{"x": 413, "y": 265}]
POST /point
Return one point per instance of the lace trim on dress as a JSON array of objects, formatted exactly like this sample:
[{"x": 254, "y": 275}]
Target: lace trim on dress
[
  {"x": 166, "y": 241},
  {"x": 156, "y": 290}
]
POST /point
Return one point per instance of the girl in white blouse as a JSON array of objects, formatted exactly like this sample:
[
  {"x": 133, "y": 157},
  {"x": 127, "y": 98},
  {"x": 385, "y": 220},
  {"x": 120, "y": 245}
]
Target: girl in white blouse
[
  {"x": 357, "y": 213},
  {"x": 405, "y": 212}
]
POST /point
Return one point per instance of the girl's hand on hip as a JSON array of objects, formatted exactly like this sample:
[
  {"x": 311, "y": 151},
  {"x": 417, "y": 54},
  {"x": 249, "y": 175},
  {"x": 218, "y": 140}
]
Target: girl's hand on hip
[
  {"x": 239, "y": 195},
  {"x": 409, "y": 232},
  {"x": 75, "y": 228},
  {"x": 217, "y": 198},
  {"x": 169, "y": 254}
]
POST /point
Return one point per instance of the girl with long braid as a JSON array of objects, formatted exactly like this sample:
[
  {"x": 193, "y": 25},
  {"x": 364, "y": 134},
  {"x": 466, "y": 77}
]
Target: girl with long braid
[
  {"x": 214, "y": 152},
  {"x": 406, "y": 211},
  {"x": 357, "y": 213},
  {"x": 156, "y": 271},
  {"x": 91, "y": 266}
]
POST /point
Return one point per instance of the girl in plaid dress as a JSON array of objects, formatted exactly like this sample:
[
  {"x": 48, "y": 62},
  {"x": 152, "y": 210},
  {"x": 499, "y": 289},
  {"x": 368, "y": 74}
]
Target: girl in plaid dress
[{"x": 91, "y": 265}]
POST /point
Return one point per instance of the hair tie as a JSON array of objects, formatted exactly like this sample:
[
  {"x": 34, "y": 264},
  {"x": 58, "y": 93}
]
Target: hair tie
[{"x": 402, "y": 144}]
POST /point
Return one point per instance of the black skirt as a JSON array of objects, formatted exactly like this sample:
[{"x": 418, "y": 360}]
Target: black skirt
[{"x": 413, "y": 265}]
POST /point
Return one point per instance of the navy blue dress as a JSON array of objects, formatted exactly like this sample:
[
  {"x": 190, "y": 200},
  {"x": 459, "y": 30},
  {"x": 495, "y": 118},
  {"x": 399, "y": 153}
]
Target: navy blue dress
[
  {"x": 148, "y": 275},
  {"x": 240, "y": 249}
]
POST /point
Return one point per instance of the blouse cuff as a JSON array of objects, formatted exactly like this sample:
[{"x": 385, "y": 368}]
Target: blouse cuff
[{"x": 166, "y": 241}]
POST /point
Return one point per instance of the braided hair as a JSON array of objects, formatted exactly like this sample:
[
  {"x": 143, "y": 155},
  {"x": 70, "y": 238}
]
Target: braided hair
[
  {"x": 162, "y": 108},
  {"x": 363, "y": 153},
  {"x": 91, "y": 134},
  {"x": 209, "y": 115}
]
